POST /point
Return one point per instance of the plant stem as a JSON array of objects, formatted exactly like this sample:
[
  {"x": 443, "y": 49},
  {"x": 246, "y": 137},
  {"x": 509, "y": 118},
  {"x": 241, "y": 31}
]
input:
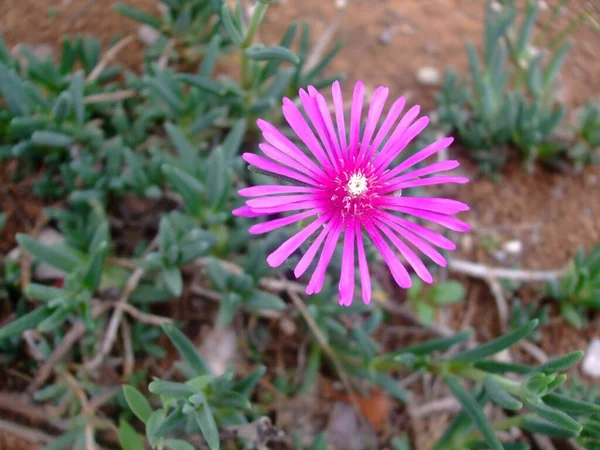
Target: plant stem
[{"x": 255, "y": 21}]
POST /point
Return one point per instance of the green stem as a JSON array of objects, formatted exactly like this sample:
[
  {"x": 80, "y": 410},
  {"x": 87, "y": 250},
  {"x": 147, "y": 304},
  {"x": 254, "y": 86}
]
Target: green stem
[
  {"x": 501, "y": 425},
  {"x": 512, "y": 387},
  {"x": 255, "y": 21}
]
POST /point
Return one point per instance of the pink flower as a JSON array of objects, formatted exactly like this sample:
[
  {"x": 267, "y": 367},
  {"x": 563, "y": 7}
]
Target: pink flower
[{"x": 349, "y": 192}]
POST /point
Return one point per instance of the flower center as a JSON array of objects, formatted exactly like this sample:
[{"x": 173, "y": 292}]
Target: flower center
[{"x": 357, "y": 184}]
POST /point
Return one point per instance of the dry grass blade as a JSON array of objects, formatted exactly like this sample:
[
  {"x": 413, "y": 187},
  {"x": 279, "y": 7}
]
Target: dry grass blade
[{"x": 108, "y": 57}]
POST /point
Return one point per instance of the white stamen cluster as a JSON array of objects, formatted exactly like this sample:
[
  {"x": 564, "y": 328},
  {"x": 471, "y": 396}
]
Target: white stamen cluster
[{"x": 357, "y": 184}]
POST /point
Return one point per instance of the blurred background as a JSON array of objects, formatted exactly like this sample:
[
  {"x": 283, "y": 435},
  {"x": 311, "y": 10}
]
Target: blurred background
[{"x": 96, "y": 97}]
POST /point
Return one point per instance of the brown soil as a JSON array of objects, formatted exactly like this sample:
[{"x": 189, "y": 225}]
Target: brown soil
[{"x": 387, "y": 41}]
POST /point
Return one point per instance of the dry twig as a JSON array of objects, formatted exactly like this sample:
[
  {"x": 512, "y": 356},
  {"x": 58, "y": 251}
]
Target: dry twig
[
  {"x": 109, "y": 96},
  {"x": 108, "y": 57},
  {"x": 482, "y": 271}
]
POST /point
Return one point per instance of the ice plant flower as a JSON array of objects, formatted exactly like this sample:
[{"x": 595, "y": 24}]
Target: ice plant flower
[{"x": 344, "y": 185}]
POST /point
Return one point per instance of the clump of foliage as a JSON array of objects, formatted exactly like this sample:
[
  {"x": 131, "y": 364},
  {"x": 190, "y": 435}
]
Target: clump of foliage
[
  {"x": 509, "y": 100},
  {"x": 579, "y": 289},
  {"x": 141, "y": 169}
]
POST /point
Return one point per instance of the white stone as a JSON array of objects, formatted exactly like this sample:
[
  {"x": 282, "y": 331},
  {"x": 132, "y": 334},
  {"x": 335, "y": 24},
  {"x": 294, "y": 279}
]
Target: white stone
[
  {"x": 514, "y": 247},
  {"x": 591, "y": 361},
  {"x": 147, "y": 35},
  {"x": 429, "y": 76}
]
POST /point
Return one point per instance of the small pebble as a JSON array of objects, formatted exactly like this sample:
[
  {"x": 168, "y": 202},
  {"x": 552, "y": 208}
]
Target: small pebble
[
  {"x": 500, "y": 256},
  {"x": 514, "y": 247},
  {"x": 429, "y": 76},
  {"x": 592, "y": 180},
  {"x": 147, "y": 35},
  {"x": 430, "y": 48},
  {"x": 591, "y": 360},
  {"x": 386, "y": 35}
]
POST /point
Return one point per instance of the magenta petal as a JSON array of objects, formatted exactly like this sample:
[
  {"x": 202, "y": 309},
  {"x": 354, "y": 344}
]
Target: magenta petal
[
  {"x": 399, "y": 272},
  {"x": 402, "y": 126},
  {"x": 355, "y": 114},
  {"x": 271, "y": 225},
  {"x": 312, "y": 110},
  {"x": 288, "y": 207},
  {"x": 318, "y": 277},
  {"x": 449, "y": 222},
  {"x": 430, "y": 235},
  {"x": 363, "y": 268},
  {"x": 282, "y": 158},
  {"x": 437, "y": 205},
  {"x": 309, "y": 256},
  {"x": 389, "y": 121},
  {"x": 346, "y": 284},
  {"x": 272, "y": 189},
  {"x": 431, "y": 181},
  {"x": 413, "y": 131},
  {"x": 324, "y": 109},
  {"x": 410, "y": 256},
  {"x": 419, "y": 243},
  {"x": 377, "y": 103},
  {"x": 284, "y": 251},
  {"x": 273, "y": 167},
  {"x": 269, "y": 201},
  {"x": 420, "y": 156},
  {"x": 338, "y": 105},
  {"x": 245, "y": 211}
]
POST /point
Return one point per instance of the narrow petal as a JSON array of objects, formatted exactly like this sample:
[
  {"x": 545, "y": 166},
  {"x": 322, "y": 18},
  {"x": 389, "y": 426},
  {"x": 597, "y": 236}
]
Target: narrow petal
[
  {"x": 402, "y": 126},
  {"x": 452, "y": 223},
  {"x": 284, "y": 251},
  {"x": 338, "y": 106},
  {"x": 312, "y": 110},
  {"x": 295, "y": 119},
  {"x": 355, "y": 115},
  {"x": 420, "y": 156},
  {"x": 309, "y": 256},
  {"x": 271, "y": 225},
  {"x": 363, "y": 268},
  {"x": 272, "y": 189},
  {"x": 387, "y": 124},
  {"x": 278, "y": 200},
  {"x": 289, "y": 207},
  {"x": 431, "y": 236},
  {"x": 441, "y": 166},
  {"x": 414, "y": 130},
  {"x": 346, "y": 285},
  {"x": 285, "y": 160},
  {"x": 398, "y": 271},
  {"x": 324, "y": 109},
  {"x": 273, "y": 167},
  {"x": 410, "y": 256},
  {"x": 377, "y": 103},
  {"x": 245, "y": 211},
  {"x": 318, "y": 277},
  {"x": 419, "y": 243},
  {"x": 433, "y": 204},
  {"x": 429, "y": 182}
]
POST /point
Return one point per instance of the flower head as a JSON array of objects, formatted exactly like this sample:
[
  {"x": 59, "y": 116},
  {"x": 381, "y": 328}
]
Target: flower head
[{"x": 344, "y": 186}]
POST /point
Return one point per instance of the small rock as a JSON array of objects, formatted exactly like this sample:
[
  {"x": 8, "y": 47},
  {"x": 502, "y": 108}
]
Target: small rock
[
  {"x": 558, "y": 192},
  {"x": 147, "y": 35},
  {"x": 591, "y": 360},
  {"x": 514, "y": 247},
  {"x": 43, "y": 271},
  {"x": 588, "y": 211},
  {"x": 429, "y": 76},
  {"x": 219, "y": 349},
  {"x": 592, "y": 180},
  {"x": 341, "y": 4},
  {"x": 430, "y": 48},
  {"x": 500, "y": 256},
  {"x": 346, "y": 431},
  {"x": 287, "y": 326},
  {"x": 466, "y": 243},
  {"x": 407, "y": 28},
  {"x": 386, "y": 35}
]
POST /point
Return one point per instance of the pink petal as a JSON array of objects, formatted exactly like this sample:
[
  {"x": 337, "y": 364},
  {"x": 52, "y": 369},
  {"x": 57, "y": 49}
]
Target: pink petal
[
  {"x": 420, "y": 156},
  {"x": 399, "y": 272},
  {"x": 433, "y": 204},
  {"x": 410, "y": 256},
  {"x": 402, "y": 126},
  {"x": 288, "y": 207},
  {"x": 295, "y": 119},
  {"x": 269, "y": 201},
  {"x": 338, "y": 106},
  {"x": 449, "y": 222},
  {"x": 271, "y": 189},
  {"x": 308, "y": 257},
  {"x": 429, "y": 182},
  {"x": 312, "y": 110},
  {"x": 430, "y": 235},
  {"x": 346, "y": 284},
  {"x": 284, "y": 251},
  {"x": 324, "y": 109},
  {"x": 377, "y": 103},
  {"x": 283, "y": 159},
  {"x": 363, "y": 268},
  {"x": 273, "y": 167},
  {"x": 245, "y": 211},
  {"x": 318, "y": 277},
  {"x": 271, "y": 225},
  {"x": 414, "y": 130},
  {"x": 389, "y": 121},
  {"x": 355, "y": 115},
  {"x": 421, "y": 245},
  {"x": 427, "y": 170}
]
